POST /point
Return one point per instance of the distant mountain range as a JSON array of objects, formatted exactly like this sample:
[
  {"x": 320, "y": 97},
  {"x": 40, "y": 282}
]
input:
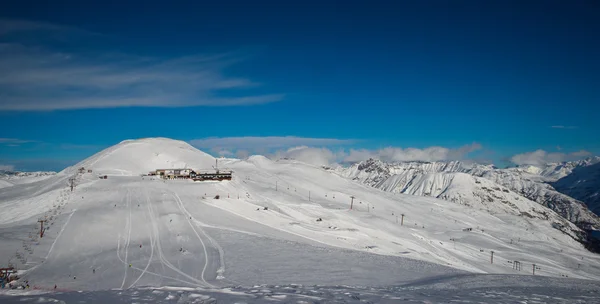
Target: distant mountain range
[
  {"x": 583, "y": 184},
  {"x": 565, "y": 187},
  {"x": 10, "y": 178}
]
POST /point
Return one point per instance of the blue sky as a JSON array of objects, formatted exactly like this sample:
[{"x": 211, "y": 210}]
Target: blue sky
[{"x": 417, "y": 80}]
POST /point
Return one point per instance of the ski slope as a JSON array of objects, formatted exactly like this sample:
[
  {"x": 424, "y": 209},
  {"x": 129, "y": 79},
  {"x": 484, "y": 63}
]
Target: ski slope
[{"x": 130, "y": 231}]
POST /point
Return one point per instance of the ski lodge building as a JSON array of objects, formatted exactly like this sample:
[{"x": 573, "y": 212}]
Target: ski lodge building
[
  {"x": 191, "y": 174},
  {"x": 172, "y": 173}
]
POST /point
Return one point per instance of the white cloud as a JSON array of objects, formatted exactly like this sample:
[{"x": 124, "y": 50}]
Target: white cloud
[
  {"x": 325, "y": 151},
  {"x": 34, "y": 77},
  {"x": 7, "y": 168},
  {"x": 242, "y": 154},
  {"x": 392, "y": 154},
  {"x": 309, "y": 155},
  {"x": 223, "y": 152},
  {"x": 540, "y": 157},
  {"x": 252, "y": 143},
  {"x": 325, "y": 156}
]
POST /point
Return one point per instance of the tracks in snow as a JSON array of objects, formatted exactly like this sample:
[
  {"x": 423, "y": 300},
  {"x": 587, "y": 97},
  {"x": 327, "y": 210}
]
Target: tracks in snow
[
  {"x": 161, "y": 255},
  {"x": 188, "y": 218},
  {"x": 156, "y": 251},
  {"x": 128, "y": 238},
  {"x": 155, "y": 245},
  {"x": 153, "y": 238}
]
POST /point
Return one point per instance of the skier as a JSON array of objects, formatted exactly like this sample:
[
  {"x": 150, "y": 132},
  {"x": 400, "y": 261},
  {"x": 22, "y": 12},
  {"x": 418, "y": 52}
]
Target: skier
[
  {"x": 94, "y": 270},
  {"x": 140, "y": 245},
  {"x": 129, "y": 265},
  {"x": 54, "y": 286}
]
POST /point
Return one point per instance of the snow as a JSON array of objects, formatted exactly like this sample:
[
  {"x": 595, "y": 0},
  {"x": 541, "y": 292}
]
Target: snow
[
  {"x": 135, "y": 157},
  {"x": 529, "y": 183},
  {"x": 9, "y": 178},
  {"x": 4, "y": 183},
  {"x": 115, "y": 238},
  {"x": 454, "y": 288}
]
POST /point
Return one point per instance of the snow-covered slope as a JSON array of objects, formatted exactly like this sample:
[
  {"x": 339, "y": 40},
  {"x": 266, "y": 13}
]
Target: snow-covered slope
[
  {"x": 469, "y": 288},
  {"x": 5, "y": 183},
  {"x": 526, "y": 182},
  {"x": 276, "y": 222},
  {"x": 583, "y": 184},
  {"x": 135, "y": 157},
  {"x": 476, "y": 192},
  {"x": 9, "y": 178},
  {"x": 535, "y": 188}
]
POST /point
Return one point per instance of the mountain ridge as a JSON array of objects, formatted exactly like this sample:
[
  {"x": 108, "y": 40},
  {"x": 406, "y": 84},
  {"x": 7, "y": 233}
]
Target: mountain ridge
[{"x": 529, "y": 182}]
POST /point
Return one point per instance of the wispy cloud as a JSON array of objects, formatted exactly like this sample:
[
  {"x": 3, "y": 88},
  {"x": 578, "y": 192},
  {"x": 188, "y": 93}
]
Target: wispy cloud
[
  {"x": 20, "y": 27},
  {"x": 563, "y": 127},
  {"x": 13, "y": 141},
  {"x": 41, "y": 77},
  {"x": 541, "y": 157},
  {"x": 79, "y": 146}
]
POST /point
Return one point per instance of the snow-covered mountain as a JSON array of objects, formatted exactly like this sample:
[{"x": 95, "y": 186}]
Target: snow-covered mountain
[
  {"x": 432, "y": 179},
  {"x": 556, "y": 171},
  {"x": 135, "y": 157},
  {"x": 275, "y": 223},
  {"x": 583, "y": 184}
]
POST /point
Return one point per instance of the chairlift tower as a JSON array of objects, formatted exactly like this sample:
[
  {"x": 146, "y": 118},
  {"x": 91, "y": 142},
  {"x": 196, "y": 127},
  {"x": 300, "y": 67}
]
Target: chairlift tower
[
  {"x": 216, "y": 166},
  {"x": 41, "y": 227}
]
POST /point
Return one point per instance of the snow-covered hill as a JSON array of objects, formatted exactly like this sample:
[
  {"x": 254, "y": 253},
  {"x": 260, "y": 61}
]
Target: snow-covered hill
[
  {"x": 277, "y": 222},
  {"x": 135, "y": 157},
  {"x": 528, "y": 182},
  {"x": 583, "y": 184}
]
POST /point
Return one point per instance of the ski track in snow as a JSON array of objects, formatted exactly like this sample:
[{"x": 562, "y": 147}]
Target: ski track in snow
[
  {"x": 156, "y": 245},
  {"x": 60, "y": 233},
  {"x": 152, "y": 242},
  {"x": 165, "y": 261},
  {"x": 128, "y": 239},
  {"x": 188, "y": 216}
]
